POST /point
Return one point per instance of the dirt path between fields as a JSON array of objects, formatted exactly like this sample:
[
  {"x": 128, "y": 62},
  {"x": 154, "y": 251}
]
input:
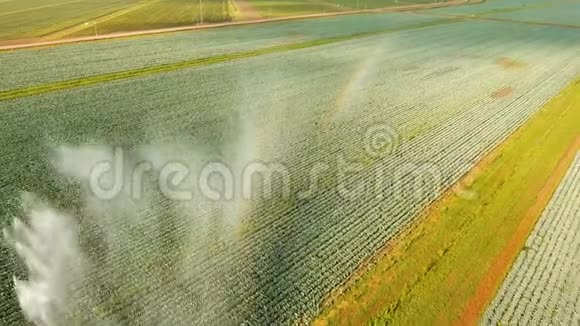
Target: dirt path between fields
[
  {"x": 247, "y": 10},
  {"x": 22, "y": 44},
  {"x": 497, "y": 272}
]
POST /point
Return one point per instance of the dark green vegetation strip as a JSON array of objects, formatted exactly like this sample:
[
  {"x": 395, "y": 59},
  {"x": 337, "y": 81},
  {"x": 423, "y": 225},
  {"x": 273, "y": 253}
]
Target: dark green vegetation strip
[{"x": 133, "y": 73}]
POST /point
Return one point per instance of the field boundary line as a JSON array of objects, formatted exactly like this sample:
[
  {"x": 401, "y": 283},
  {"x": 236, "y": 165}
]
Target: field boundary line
[
  {"x": 503, "y": 263},
  {"x": 150, "y": 70},
  {"x": 17, "y": 46}
]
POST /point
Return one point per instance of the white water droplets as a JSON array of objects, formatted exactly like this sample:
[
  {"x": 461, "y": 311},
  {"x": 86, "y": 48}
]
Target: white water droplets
[{"x": 47, "y": 244}]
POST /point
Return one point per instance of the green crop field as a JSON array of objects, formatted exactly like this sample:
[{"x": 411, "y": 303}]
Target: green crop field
[
  {"x": 32, "y": 19},
  {"x": 161, "y": 14},
  {"x": 428, "y": 288},
  {"x": 543, "y": 286},
  {"x": 240, "y": 175}
]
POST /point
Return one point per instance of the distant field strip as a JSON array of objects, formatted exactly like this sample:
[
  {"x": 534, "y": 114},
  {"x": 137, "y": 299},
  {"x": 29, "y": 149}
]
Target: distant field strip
[
  {"x": 543, "y": 286},
  {"x": 32, "y": 19},
  {"x": 98, "y": 20},
  {"x": 57, "y": 86},
  {"x": 38, "y": 8},
  {"x": 507, "y": 20},
  {"x": 557, "y": 13},
  {"x": 81, "y": 60},
  {"x": 29, "y": 20}
]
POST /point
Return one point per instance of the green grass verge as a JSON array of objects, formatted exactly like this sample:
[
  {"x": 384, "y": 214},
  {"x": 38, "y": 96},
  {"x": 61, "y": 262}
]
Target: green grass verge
[
  {"x": 102, "y": 78},
  {"x": 428, "y": 275}
]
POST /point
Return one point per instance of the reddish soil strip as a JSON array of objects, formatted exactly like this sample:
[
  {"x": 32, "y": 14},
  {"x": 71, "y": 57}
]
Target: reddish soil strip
[
  {"x": 497, "y": 272},
  {"x": 508, "y": 63},
  {"x": 502, "y": 92},
  {"x": 247, "y": 10},
  {"x": 21, "y": 44}
]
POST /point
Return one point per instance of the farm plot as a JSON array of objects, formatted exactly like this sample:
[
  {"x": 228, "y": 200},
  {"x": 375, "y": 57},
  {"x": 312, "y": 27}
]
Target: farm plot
[
  {"x": 491, "y": 6},
  {"x": 45, "y": 65},
  {"x": 274, "y": 8},
  {"x": 272, "y": 260},
  {"x": 163, "y": 13},
  {"x": 543, "y": 286},
  {"x": 59, "y": 19},
  {"x": 433, "y": 275},
  {"x": 33, "y": 18},
  {"x": 559, "y": 13}
]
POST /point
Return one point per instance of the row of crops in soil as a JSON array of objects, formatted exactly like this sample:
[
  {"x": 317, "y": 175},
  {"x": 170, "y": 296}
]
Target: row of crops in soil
[
  {"x": 42, "y": 66},
  {"x": 450, "y": 93},
  {"x": 543, "y": 286},
  {"x": 45, "y": 65}
]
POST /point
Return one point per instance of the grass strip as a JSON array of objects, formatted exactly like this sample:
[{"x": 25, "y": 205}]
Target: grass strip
[
  {"x": 141, "y": 72},
  {"x": 433, "y": 273}
]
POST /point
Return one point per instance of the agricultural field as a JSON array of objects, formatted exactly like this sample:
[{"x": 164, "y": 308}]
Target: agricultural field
[
  {"x": 274, "y": 8},
  {"x": 158, "y": 14},
  {"x": 434, "y": 275},
  {"x": 33, "y": 20},
  {"x": 367, "y": 120},
  {"x": 69, "y": 62},
  {"x": 28, "y": 19},
  {"x": 543, "y": 287}
]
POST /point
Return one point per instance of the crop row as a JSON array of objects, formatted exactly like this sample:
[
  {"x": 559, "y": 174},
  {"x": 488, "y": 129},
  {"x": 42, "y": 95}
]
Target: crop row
[
  {"x": 45, "y": 65},
  {"x": 273, "y": 260},
  {"x": 542, "y": 287}
]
